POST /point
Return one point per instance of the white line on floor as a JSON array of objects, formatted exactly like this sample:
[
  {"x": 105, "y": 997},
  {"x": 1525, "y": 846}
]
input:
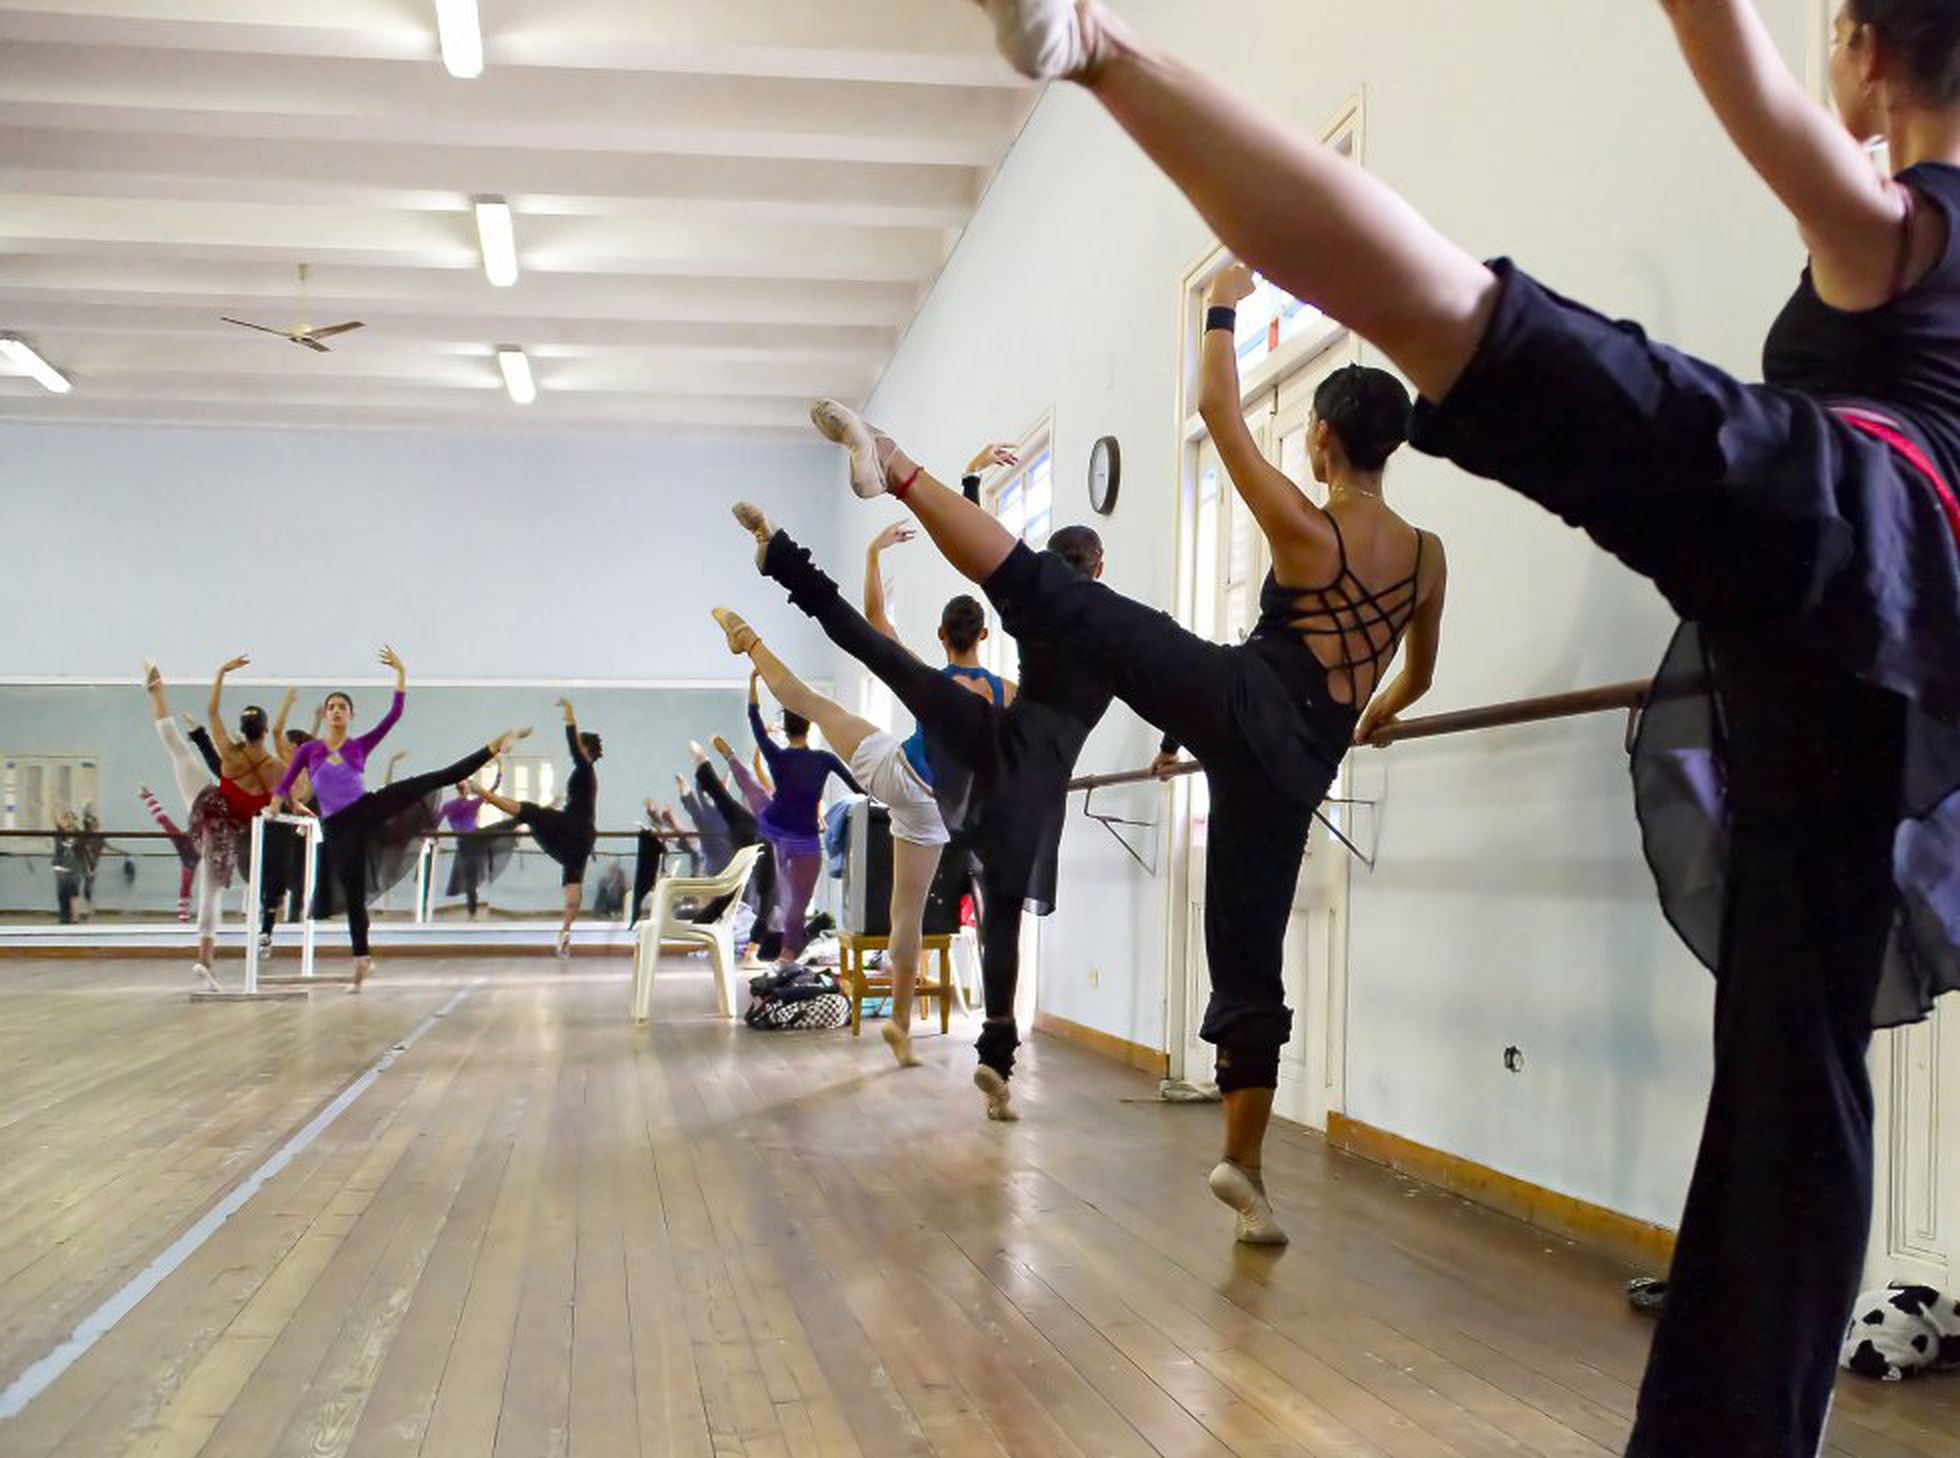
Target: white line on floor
[{"x": 40, "y": 1376}]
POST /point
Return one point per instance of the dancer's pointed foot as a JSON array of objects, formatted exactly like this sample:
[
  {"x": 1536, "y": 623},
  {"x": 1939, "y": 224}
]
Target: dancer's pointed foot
[
  {"x": 362, "y": 967},
  {"x": 873, "y": 455},
  {"x": 756, "y": 522},
  {"x": 1045, "y": 40},
  {"x": 1245, "y": 1192},
  {"x": 504, "y": 741},
  {"x": 741, "y": 637},
  {"x": 723, "y": 747},
  {"x": 205, "y": 978},
  {"x": 1000, "y": 1106},
  {"x": 152, "y": 678},
  {"x": 899, "y": 1040}
]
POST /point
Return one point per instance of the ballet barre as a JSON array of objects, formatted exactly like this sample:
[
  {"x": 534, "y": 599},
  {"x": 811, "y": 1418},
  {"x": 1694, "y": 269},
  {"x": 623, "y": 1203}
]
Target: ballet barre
[{"x": 1630, "y": 697}]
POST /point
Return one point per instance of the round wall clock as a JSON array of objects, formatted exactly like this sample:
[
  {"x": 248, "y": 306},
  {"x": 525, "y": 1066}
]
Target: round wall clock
[{"x": 1105, "y": 474}]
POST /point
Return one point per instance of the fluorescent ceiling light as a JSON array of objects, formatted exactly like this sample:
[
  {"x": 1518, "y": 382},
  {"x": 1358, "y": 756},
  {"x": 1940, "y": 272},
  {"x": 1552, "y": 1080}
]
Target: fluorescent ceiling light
[
  {"x": 497, "y": 237},
  {"x": 461, "y": 38},
  {"x": 23, "y": 357},
  {"x": 517, "y": 374}
]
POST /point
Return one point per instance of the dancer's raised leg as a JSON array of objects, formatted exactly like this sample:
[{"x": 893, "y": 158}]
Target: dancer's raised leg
[
  {"x": 842, "y": 730},
  {"x": 1306, "y": 217}
]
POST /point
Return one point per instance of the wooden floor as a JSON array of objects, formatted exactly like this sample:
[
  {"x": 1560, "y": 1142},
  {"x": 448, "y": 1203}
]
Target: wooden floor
[{"x": 540, "y": 1233}]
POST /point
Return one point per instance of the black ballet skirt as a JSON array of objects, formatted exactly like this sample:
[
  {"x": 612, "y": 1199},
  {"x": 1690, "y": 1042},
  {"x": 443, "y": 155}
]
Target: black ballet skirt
[
  {"x": 393, "y": 847},
  {"x": 1822, "y": 512},
  {"x": 477, "y": 858}
]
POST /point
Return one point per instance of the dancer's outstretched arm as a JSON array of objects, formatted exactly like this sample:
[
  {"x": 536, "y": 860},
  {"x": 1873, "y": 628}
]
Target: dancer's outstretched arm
[
  {"x": 572, "y": 737},
  {"x": 282, "y": 752},
  {"x": 1848, "y": 214},
  {"x": 1279, "y": 506},
  {"x": 216, "y": 711},
  {"x": 875, "y": 613}
]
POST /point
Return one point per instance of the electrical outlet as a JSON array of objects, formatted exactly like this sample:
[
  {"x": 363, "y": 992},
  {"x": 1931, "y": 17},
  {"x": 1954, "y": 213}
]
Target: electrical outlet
[{"x": 1095, "y": 977}]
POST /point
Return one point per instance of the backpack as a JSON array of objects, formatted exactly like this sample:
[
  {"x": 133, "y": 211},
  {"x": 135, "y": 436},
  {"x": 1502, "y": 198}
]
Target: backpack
[{"x": 800, "y": 1000}]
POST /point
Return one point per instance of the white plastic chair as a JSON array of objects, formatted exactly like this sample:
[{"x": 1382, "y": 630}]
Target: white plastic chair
[{"x": 660, "y": 924}]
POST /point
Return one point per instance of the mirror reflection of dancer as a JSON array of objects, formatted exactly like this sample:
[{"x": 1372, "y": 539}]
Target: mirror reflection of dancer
[
  {"x": 180, "y": 843},
  {"x": 1807, "y": 530},
  {"x": 566, "y": 835},
  {"x": 877, "y": 762},
  {"x": 478, "y": 855},
  {"x": 217, "y": 815},
  {"x": 789, "y": 819},
  {"x": 353, "y": 817},
  {"x": 1269, "y": 720}
]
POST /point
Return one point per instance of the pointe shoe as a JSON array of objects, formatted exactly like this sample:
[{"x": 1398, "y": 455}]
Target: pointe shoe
[
  {"x": 1042, "y": 39},
  {"x": 900, "y": 1042},
  {"x": 504, "y": 741},
  {"x": 564, "y": 947},
  {"x": 1000, "y": 1107},
  {"x": 204, "y": 976},
  {"x": 722, "y": 747},
  {"x": 151, "y": 677},
  {"x": 741, "y": 637},
  {"x": 869, "y": 448},
  {"x": 1246, "y": 1193},
  {"x": 758, "y": 525},
  {"x": 362, "y": 967}
]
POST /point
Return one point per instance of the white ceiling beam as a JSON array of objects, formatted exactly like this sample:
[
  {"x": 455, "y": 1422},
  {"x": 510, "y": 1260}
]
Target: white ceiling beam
[
  {"x": 495, "y": 417},
  {"x": 354, "y": 292},
  {"x": 424, "y": 177},
  {"x": 192, "y": 325},
  {"x": 866, "y": 40},
  {"x": 672, "y": 247},
  {"x": 254, "y": 364},
  {"x": 207, "y": 93}
]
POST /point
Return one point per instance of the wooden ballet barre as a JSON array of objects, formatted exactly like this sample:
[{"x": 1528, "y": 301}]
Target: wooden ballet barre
[{"x": 1605, "y": 699}]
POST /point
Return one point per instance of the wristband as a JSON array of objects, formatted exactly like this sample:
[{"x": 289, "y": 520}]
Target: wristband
[{"x": 1221, "y": 316}]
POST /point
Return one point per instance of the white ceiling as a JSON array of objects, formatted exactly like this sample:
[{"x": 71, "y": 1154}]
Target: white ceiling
[{"x": 723, "y": 207}]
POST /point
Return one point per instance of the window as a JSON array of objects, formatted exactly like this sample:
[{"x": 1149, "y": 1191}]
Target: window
[
  {"x": 36, "y": 788},
  {"x": 1024, "y": 502}
]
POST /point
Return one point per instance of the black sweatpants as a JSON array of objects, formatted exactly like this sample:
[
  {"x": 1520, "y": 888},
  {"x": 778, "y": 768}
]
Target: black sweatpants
[{"x": 345, "y": 835}]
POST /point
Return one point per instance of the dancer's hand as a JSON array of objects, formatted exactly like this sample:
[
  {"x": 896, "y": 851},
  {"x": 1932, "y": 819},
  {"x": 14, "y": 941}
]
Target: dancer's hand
[
  {"x": 273, "y": 808},
  {"x": 895, "y": 535},
  {"x": 993, "y": 455},
  {"x": 232, "y": 665},
  {"x": 1370, "y": 726},
  {"x": 755, "y": 685},
  {"x": 1165, "y": 765},
  {"x": 1232, "y": 287},
  {"x": 393, "y": 660},
  {"x": 566, "y": 705}
]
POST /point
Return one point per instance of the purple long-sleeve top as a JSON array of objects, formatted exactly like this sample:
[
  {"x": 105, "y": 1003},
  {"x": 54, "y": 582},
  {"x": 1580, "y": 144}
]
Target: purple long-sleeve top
[
  {"x": 337, "y": 774},
  {"x": 790, "y": 818}
]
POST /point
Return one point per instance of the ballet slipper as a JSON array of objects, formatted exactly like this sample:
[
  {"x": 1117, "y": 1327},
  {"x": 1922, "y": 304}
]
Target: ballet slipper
[
  {"x": 758, "y": 525},
  {"x": 872, "y": 451},
  {"x": 1000, "y": 1107},
  {"x": 1245, "y": 1192},
  {"x": 741, "y": 637}
]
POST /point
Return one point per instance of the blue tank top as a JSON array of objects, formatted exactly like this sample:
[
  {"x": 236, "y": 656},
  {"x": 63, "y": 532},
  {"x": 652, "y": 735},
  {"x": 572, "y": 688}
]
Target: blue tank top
[{"x": 915, "y": 747}]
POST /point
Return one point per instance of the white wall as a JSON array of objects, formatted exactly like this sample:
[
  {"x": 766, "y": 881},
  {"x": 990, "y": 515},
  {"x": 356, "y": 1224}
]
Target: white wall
[
  {"x": 1511, "y": 904},
  {"x": 479, "y": 558}
]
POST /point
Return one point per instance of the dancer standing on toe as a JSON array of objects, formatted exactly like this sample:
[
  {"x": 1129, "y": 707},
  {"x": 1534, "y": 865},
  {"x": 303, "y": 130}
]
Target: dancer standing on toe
[
  {"x": 999, "y": 761},
  {"x": 1270, "y": 720},
  {"x": 217, "y": 815},
  {"x": 789, "y": 820},
  {"x": 1808, "y": 531},
  {"x": 877, "y": 761},
  {"x": 566, "y": 835},
  {"x": 353, "y": 816}
]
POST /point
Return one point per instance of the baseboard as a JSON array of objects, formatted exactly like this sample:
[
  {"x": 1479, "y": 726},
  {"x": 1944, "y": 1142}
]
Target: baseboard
[
  {"x": 1649, "y": 1247},
  {"x": 1133, "y": 1055}
]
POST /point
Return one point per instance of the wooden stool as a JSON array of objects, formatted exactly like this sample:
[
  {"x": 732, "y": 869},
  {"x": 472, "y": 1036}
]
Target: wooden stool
[{"x": 859, "y": 984}]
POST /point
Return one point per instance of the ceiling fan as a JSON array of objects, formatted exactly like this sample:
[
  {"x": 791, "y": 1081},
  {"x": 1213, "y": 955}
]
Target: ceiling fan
[{"x": 301, "y": 334}]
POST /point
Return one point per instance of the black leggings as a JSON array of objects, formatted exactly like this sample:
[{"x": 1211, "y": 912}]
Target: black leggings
[
  {"x": 1233, "y": 709},
  {"x": 743, "y": 831},
  {"x": 346, "y": 835},
  {"x": 1000, "y": 908}
]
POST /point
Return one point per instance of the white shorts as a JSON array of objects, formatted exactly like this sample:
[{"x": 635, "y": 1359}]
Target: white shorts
[{"x": 880, "y": 765}]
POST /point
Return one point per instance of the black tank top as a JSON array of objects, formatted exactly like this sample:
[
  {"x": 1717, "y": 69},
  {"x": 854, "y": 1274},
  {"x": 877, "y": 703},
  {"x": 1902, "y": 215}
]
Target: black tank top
[
  {"x": 1901, "y": 359},
  {"x": 1365, "y": 628}
]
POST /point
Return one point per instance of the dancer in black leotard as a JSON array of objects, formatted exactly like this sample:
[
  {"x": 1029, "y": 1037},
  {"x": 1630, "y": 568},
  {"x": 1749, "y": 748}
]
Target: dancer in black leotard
[
  {"x": 1808, "y": 530},
  {"x": 1269, "y": 720},
  {"x": 566, "y": 835},
  {"x": 1000, "y": 769}
]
